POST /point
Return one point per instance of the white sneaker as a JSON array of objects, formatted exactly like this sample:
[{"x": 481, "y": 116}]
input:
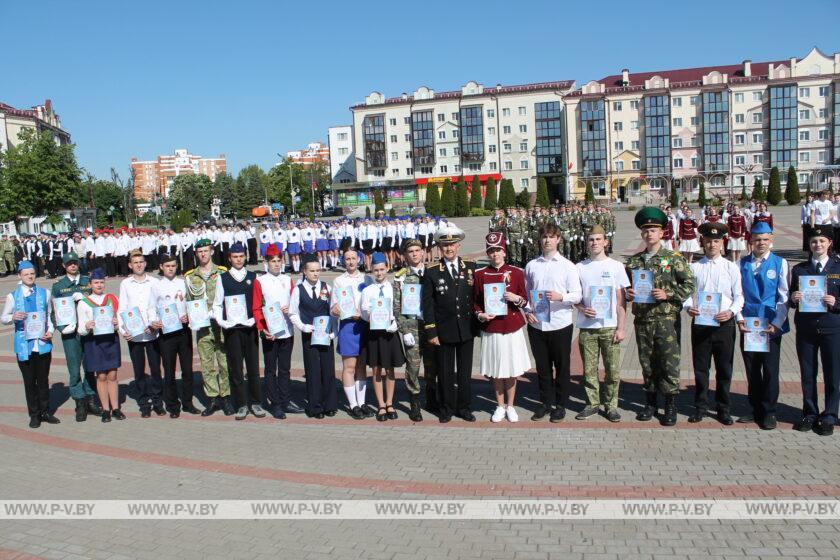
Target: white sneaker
[
  {"x": 512, "y": 416},
  {"x": 498, "y": 415}
]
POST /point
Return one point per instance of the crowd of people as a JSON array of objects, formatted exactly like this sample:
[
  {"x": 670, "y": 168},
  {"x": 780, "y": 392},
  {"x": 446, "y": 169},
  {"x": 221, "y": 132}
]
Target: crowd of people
[{"x": 406, "y": 309}]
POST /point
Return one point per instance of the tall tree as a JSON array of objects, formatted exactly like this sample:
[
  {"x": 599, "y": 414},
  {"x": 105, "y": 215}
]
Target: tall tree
[
  {"x": 507, "y": 196},
  {"x": 774, "y": 188},
  {"x": 193, "y": 193},
  {"x": 224, "y": 190},
  {"x": 447, "y": 200},
  {"x": 758, "y": 191},
  {"x": 675, "y": 197},
  {"x": 523, "y": 199},
  {"x": 701, "y": 196},
  {"x": 792, "y": 194},
  {"x": 105, "y": 196},
  {"x": 462, "y": 201},
  {"x": 475, "y": 193},
  {"x": 490, "y": 194},
  {"x": 589, "y": 194},
  {"x": 249, "y": 190},
  {"x": 432, "y": 203},
  {"x": 542, "y": 193}
]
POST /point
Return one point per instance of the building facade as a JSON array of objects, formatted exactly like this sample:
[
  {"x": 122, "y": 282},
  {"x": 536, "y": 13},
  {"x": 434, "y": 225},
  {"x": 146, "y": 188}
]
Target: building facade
[
  {"x": 40, "y": 118},
  {"x": 342, "y": 157},
  {"x": 155, "y": 177},
  {"x": 315, "y": 152}
]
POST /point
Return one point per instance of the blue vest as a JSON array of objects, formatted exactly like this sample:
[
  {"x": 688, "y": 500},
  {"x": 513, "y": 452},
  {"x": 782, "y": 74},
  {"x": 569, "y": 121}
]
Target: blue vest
[
  {"x": 233, "y": 287},
  {"x": 761, "y": 288},
  {"x": 36, "y": 301},
  {"x": 309, "y": 307}
]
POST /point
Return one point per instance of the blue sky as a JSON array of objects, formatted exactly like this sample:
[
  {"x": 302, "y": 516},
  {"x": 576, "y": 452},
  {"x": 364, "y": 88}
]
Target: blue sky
[{"x": 252, "y": 78}]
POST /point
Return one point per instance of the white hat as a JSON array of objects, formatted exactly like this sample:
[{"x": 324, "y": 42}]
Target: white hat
[{"x": 449, "y": 234}]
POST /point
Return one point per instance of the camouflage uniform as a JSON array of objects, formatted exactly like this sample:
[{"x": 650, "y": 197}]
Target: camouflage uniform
[
  {"x": 496, "y": 223},
  {"x": 578, "y": 249},
  {"x": 209, "y": 340},
  {"x": 563, "y": 221},
  {"x": 532, "y": 241},
  {"x": 6, "y": 247},
  {"x": 516, "y": 231}
]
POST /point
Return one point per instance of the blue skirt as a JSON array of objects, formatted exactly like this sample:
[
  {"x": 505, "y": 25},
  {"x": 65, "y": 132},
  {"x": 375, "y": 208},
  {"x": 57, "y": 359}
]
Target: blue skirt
[
  {"x": 102, "y": 352},
  {"x": 263, "y": 247},
  {"x": 308, "y": 247},
  {"x": 332, "y": 244},
  {"x": 351, "y": 335},
  {"x": 321, "y": 245},
  {"x": 294, "y": 248}
]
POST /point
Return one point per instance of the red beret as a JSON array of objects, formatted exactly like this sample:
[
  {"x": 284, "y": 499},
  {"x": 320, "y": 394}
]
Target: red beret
[{"x": 272, "y": 251}]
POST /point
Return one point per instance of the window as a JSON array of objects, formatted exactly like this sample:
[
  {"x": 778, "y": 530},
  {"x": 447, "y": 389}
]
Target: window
[
  {"x": 408, "y": 155},
  {"x": 695, "y": 121},
  {"x": 454, "y": 116},
  {"x": 804, "y": 92},
  {"x": 491, "y": 148},
  {"x": 492, "y": 166},
  {"x": 524, "y": 182},
  {"x": 457, "y": 168},
  {"x": 472, "y": 141},
  {"x": 657, "y": 134},
  {"x": 824, "y": 91},
  {"x": 377, "y": 172},
  {"x": 739, "y": 139},
  {"x": 455, "y": 133},
  {"x": 618, "y": 126},
  {"x": 523, "y": 146},
  {"x": 407, "y": 137},
  {"x": 757, "y": 96},
  {"x": 548, "y": 124},
  {"x": 694, "y": 142},
  {"x": 394, "y": 156},
  {"x": 634, "y": 104},
  {"x": 740, "y": 160},
  {"x": 491, "y": 113},
  {"x": 394, "y": 138},
  {"x": 506, "y": 130},
  {"x": 676, "y": 102},
  {"x": 373, "y": 141},
  {"x": 677, "y": 121},
  {"x": 758, "y": 137},
  {"x": 422, "y": 138},
  {"x": 409, "y": 171},
  {"x": 821, "y": 157},
  {"x": 804, "y": 135},
  {"x": 523, "y": 128},
  {"x": 442, "y": 152},
  {"x": 758, "y": 158},
  {"x": 593, "y": 138},
  {"x": 506, "y": 112},
  {"x": 456, "y": 151},
  {"x": 343, "y": 151},
  {"x": 694, "y": 161},
  {"x": 506, "y": 147},
  {"x": 739, "y": 118},
  {"x": 441, "y": 117},
  {"x": 444, "y": 169},
  {"x": 393, "y": 122},
  {"x": 508, "y": 165},
  {"x": 635, "y": 164},
  {"x": 739, "y": 98},
  {"x": 634, "y": 144},
  {"x": 804, "y": 114},
  {"x": 804, "y": 157},
  {"x": 694, "y": 99},
  {"x": 342, "y": 136},
  {"x": 803, "y": 179},
  {"x": 442, "y": 134},
  {"x": 523, "y": 164},
  {"x": 395, "y": 172},
  {"x": 618, "y": 146},
  {"x": 522, "y": 112},
  {"x": 474, "y": 167},
  {"x": 783, "y": 126},
  {"x": 407, "y": 120},
  {"x": 823, "y": 134},
  {"x": 822, "y": 113},
  {"x": 491, "y": 131},
  {"x": 616, "y": 105},
  {"x": 757, "y": 118},
  {"x": 678, "y": 163},
  {"x": 634, "y": 125},
  {"x": 618, "y": 165}
]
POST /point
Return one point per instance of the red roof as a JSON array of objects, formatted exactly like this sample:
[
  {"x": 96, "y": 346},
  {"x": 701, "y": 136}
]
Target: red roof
[
  {"x": 758, "y": 69},
  {"x": 492, "y": 90}
]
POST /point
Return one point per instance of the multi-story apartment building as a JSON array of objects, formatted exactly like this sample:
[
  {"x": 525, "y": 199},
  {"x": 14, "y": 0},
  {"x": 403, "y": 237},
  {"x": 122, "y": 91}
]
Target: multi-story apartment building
[
  {"x": 315, "y": 152},
  {"x": 40, "y": 118},
  {"x": 157, "y": 176},
  {"x": 342, "y": 156}
]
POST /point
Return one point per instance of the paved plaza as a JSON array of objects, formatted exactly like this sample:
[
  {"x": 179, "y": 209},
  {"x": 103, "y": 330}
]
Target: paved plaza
[{"x": 193, "y": 458}]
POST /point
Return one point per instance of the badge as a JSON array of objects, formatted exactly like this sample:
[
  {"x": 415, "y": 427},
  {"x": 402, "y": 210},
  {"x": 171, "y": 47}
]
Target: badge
[
  {"x": 248, "y": 282},
  {"x": 771, "y": 274}
]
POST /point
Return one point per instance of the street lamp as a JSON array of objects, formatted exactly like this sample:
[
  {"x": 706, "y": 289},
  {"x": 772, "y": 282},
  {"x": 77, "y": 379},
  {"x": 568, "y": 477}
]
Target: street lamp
[
  {"x": 291, "y": 187},
  {"x": 111, "y": 214}
]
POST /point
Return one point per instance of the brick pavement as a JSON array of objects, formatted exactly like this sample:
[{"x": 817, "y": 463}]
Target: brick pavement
[{"x": 194, "y": 458}]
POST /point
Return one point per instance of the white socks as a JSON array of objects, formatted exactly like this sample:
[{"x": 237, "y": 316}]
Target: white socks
[
  {"x": 361, "y": 389},
  {"x": 351, "y": 396}
]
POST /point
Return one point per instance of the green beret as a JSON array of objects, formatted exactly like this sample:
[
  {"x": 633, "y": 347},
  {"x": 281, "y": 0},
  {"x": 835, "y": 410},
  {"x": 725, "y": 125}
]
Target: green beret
[
  {"x": 713, "y": 230},
  {"x": 203, "y": 242},
  {"x": 650, "y": 216}
]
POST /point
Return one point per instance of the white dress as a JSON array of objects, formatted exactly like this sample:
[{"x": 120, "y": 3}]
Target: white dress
[{"x": 504, "y": 355}]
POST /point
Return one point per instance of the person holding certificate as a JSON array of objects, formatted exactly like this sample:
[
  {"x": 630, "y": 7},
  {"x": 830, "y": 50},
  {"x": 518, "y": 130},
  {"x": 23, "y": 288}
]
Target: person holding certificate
[
  {"x": 233, "y": 309},
  {"x": 504, "y": 349},
  {"x": 101, "y": 351},
  {"x": 272, "y": 292},
  {"x": 30, "y": 305},
  {"x": 601, "y": 319},
  {"x": 718, "y": 301},
  {"x": 311, "y": 300},
  {"x": 175, "y": 346},
  {"x": 64, "y": 300},
  {"x": 345, "y": 306},
  {"x": 818, "y": 333},
  {"x": 382, "y": 351},
  {"x": 656, "y": 337}
]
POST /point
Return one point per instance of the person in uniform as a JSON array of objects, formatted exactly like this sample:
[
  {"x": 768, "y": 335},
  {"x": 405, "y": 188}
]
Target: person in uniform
[
  {"x": 515, "y": 230},
  {"x": 201, "y": 284},
  {"x": 714, "y": 274},
  {"x": 818, "y": 333},
  {"x": 497, "y": 221},
  {"x": 447, "y": 287},
  {"x": 673, "y": 283},
  {"x": 412, "y": 329}
]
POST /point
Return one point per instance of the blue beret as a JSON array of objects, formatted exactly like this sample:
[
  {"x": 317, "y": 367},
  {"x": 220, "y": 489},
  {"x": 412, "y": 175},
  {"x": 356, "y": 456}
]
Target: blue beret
[
  {"x": 761, "y": 227},
  {"x": 24, "y": 265},
  {"x": 237, "y": 248},
  {"x": 97, "y": 274},
  {"x": 378, "y": 258}
]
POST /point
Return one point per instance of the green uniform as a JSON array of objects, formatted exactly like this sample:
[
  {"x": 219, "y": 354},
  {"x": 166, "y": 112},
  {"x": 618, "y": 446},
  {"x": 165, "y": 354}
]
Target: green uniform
[
  {"x": 210, "y": 341},
  {"x": 563, "y": 221},
  {"x": 659, "y": 350},
  {"x": 421, "y": 350},
  {"x": 599, "y": 342},
  {"x": 516, "y": 229},
  {"x": 7, "y": 257},
  {"x": 79, "y": 387},
  {"x": 496, "y": 223}
]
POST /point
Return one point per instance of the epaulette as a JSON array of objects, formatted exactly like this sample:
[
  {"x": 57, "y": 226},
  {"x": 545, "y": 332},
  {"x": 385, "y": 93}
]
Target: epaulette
[
  {"x": 430, "y": 325},
  {"x": 401, "y": 272},
  {"x": 189, "y": 272}
]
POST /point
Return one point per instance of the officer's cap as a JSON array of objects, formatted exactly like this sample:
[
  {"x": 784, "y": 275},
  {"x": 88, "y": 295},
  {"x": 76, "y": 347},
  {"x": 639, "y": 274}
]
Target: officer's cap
[
  {"x": 650, "y": 216},
  {"x": 713, "y": 230}
]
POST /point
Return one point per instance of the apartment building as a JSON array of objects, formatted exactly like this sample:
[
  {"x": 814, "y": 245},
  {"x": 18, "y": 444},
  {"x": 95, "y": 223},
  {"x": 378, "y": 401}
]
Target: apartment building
[{"x": 156, "y": 177}]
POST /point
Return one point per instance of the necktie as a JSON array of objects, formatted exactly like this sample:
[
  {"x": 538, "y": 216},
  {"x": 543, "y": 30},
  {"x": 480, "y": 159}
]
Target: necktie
[
  {"x": 381, "y": 291},
  {"x": 314, "y": 295},
  {"x": 453, "y": 270},
  {"x": 819, "y": 268}
]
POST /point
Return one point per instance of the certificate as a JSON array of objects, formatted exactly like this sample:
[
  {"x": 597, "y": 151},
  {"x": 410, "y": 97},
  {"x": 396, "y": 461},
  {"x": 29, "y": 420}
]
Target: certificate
[
  {"x": 708, "y": 304},
  {"x": 541, "y": 305},
  {"x": 170, "y": 318},
  {"x": 236, "y": 310},
  {"x": 346, "y": 303},
  {"x": 321, "y": 331},
  {"x": 380, "y": 313},
  {"x": 274, "y": 319},
  {"x": 132, "y": 322},
  {"x": 65, "y": 311},
  {"x": 756, "y": 339},
  {"x": 494, "y": 299},
  {"x": 197, "y": 312},
  {"x": 103, "y": 320},
  {"x": 411, "y": 294},
  {"x": 642, "y": 286},
  {"x": 600, "y": 299},
  {"x": 34, "y": 325},
  {"x": 813, "y": 290}
]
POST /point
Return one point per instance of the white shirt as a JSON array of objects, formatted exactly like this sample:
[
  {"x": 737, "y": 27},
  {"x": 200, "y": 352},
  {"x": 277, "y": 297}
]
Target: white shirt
[
  {"x": 605, "y": 272},
  {"x": 352, "y": 282},
  {"x": 219, "y": 301},
  {"x": 782, "y": 291},
  {"x": 822, "y": 211},
  {"x": 385, "y": 289},
  {"x": 164, "y": 292},
  {"x": 294, "y": 304},
  {"x": 277, "y": 289},
  {"x": 9, "y": 310},
  {"x": 137, "y": 293},
  {"x": 718, "y": 275},
  {"x": 85, "y": 312},
  {"x": 557, "y": 274}
]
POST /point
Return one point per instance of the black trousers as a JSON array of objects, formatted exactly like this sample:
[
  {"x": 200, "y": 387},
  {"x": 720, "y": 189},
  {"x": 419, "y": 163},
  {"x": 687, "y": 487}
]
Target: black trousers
[
  {"x": 151, "y": 261},
  {"x": 552, "y": 352},
  {"x": 277, "y": 355},
  {"x": 110, "y": 265},
  {"x": 55, "y": 267},
  {"x": 187, "y": 259},
  {"x": 149, "y": 387},
  {"x": 762, "y": 369},
  {"x": 811, "y": 347},
  {"x": 177, "y": 347},
  {"x": 454, "y": 364},
  {"x": 122, "y": 265},
  {"x": 242, "y": 344},
  {"x": 252, "y": 250},
  {"x": 36, "y": 383},
  {"x": 319, "y": 368},
  {"x": 708, "y": 343},
  {"x": 806, "y": 229}
]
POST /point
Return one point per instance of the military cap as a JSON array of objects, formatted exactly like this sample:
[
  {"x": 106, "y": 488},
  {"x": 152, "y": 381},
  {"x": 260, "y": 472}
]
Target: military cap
[
  {"x": 650, "y": 216},
  {"x": 826, "y": 231},
  {"x": 70, "y": 257},
  {"x": 713, "y": 230},
  {"x": 203, "y": 242},
  {"x": 408, "y": 243},
  {"x": 596, "y": 229},
  {"x": 449, "y": 234}
]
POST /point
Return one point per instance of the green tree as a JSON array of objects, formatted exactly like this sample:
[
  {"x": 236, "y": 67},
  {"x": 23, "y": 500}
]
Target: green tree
[
  {"x": 223, "y": 190},
  {"x": 758, "y": 190},
  {"x": 193, "y": 193},
  {"x": 743, "y": 195},
  {"x": 589, "y": 195},
  {"x": 542, "y": 193},
  {"x": 180, "y": 219},
  {"x": 378, "y": 203},
  {"x": 462, "y": 201},
  {"x": 774, "y": 188},
  {"x": 490, "y": 194},
  {"x": 367, "y": 212},
  {"x": 432, "y": 200},
  {"x": 106, "y": 195},
  {"x": 701, "y": 196},
  {"x": 248, "y": 191},
  {"x": 392, "y": 213},
  {"x": 447, "y": 200},
  {"x": 523, "y": 199},
  {"x": 507, "y": 196},
  {"x": 675, "y": 197},
  {"x": 792, "y": 194},
  {"x": 475, "y": 193}
]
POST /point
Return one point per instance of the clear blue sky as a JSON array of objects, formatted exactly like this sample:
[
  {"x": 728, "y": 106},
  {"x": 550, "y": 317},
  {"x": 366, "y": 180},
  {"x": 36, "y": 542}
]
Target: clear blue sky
[{"x": 251, "y": 78}]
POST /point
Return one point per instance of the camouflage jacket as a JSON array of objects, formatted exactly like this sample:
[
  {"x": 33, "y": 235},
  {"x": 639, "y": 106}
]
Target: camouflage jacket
[
  {"x": 199, "y": 287},
  {"x": 405, "y": 323},
  {"x": 670, "y": 273}
]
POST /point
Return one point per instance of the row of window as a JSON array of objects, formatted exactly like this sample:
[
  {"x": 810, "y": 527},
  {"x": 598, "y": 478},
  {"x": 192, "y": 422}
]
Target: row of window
[{"x": 441, "y": 117}]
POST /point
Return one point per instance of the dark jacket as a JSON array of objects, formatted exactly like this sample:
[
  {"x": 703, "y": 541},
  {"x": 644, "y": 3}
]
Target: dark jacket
[{"x": 448, "y": 303}]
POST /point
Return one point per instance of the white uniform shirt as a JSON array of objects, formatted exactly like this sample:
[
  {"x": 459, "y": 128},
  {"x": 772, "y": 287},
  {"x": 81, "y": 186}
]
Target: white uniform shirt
[
  {"x": 137, "y": 293},
  {"x": 7, "y": 317},
  {"x": 556, "y": 274},
  {"x": 164, "y": 292},
  {"x": 718, "y": 275}
]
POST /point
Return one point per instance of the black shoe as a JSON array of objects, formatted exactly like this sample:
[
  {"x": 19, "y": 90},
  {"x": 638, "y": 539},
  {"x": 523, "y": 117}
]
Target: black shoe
[
  {"x": 278, "y": 412},
  {"x": 368, "y": 410},
  {"x": 768, "y": 422},
  {"x": 34, "y": 422},
  {"x": 381, "y": 414},
  {"x": 669, "y": 416},
  {"x": 92, "y": 407},
  {"x": 145, "y": 413},
  {"x": 392, "y": 414},
  {"x": 613, "y": 415},
  {"x": 697, "y": 416},
  {"x": 117, "y": 414},
  {"x": 227, "y": 406},
  {"x": 81, "y": 411},
  {"x": 175, "y": 414},
  {"x": 330, "y": 413},
  {"x": 319, "y": 416},
  {"x": 159, "y": 410},
  {"x": 725, "y": 418},
  {"x": 540, "y": 413},
  {"x": 649, "y": 411},
  {"x": 190, "y": 409},
  {"x": 824, "y": 427},
  {"x": 106, "y": 417},
  {"x": 804, "y": 425},
  {"x": 414, "y": 413},
  {"x": 445, "y": 419},
  {"x": 586, "y": 413},
  {"x": 467, "y": 416},
  {"x": 292, "y": 408},
  {"x": 557, "y": 414},
  {"x": 748, "y": 419},
  {"x": 212, "y": 407},
  {"x": 356, "y": 413},
  {"x": 49, "y": 418}
]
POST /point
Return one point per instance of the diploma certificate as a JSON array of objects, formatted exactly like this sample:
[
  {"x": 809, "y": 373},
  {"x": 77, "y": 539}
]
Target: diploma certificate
[
  {"x": 346, "y": 303},
  {"x": 169, "y": 318},
  {"x": 133, "y": 322},
  {"x": 274, "y": 319},
  {"x": 321, "y": 331},
  {"x": 236, "y": 310},
  {"x": 642, "y": 286},
  {"x": 708, "y": 304},
  {"x": 65, "y": 311},
  {"x": 197, "y": 312},
  {"x": 411, "y": 294},
  {"x": 103, "y": 320},
  {"x": 34, "y": 325},
  {"x": 494, "y": 299},
  {"x": 813, "y": 290},
  {"x": 756, "y": 340},
  {"x": 541, "y": 305},
  {"x": 380, "y": 313},
  {"x": 600, "y": 299}
]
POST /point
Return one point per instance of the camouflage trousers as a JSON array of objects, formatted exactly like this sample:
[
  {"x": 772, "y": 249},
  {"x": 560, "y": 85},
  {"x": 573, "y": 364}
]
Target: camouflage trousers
[
  {"x": 659, "y": 355},
  {"x": 592, "y": 343},
  {"x": 214, "y": 369},
  {"x": 421, "y": 352},
  {"x": 516, "y": 251}
]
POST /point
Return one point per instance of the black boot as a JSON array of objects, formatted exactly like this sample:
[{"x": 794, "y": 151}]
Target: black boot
[
  {"x": 81, "y": 411},
  {"x": 92, "y": 407},
  {"x": 669, "y": 418},
  {"x": 227, "y": 406},
  {"x": 414, "y": 413},
  {"x": 649, "y": 411},
  {"x": 212, "y": 407}
]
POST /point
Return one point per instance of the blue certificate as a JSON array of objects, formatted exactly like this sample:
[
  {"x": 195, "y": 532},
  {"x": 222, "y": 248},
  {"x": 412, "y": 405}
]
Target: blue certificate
[
  {"x": 380, "y": 313},
  {"x": 236, "y": 310},
  {"x": 813, "y": 290},
  {"x": 275, "y": 321},
  {"x": 541, "y": 305},
  {"x": 169, "y": 318},
  {"x": 411, "y": 294},
  {"x": 197, "y": 312},
  {"x": 756, "y": 339},
  {"x": 34, "y": 325},
  {"x": 132, "y": 322},
  {"x": 321, "y": 331},
  {"x": 103, "y": 320},
  {"x": 346, "y": 300},
  {"x": 642, "y": 286},
  {"x": 708, "y": 304},
  {"x": 600, "y": 299},
  {"x": 494, "y": 299},
  {"x": 65, "y": 311}
]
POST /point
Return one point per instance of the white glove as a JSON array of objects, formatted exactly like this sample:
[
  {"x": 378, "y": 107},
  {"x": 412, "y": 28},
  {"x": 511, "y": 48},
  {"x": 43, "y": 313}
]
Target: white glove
[
  {"x": 521, "y": 242},
  {"x": 307, "y": 328},
  {"x": 69, "y": 329},
  {"x": 408, "y": 340},
  {"x": 250, "y": 322},
  {"x": 332, "y": 336},
  {"x": 78, "y": 296},
  {"x": 392, "y": 327}
]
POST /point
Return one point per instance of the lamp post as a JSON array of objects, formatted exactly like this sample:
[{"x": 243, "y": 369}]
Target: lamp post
[{"x": 111, "y": 214}]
